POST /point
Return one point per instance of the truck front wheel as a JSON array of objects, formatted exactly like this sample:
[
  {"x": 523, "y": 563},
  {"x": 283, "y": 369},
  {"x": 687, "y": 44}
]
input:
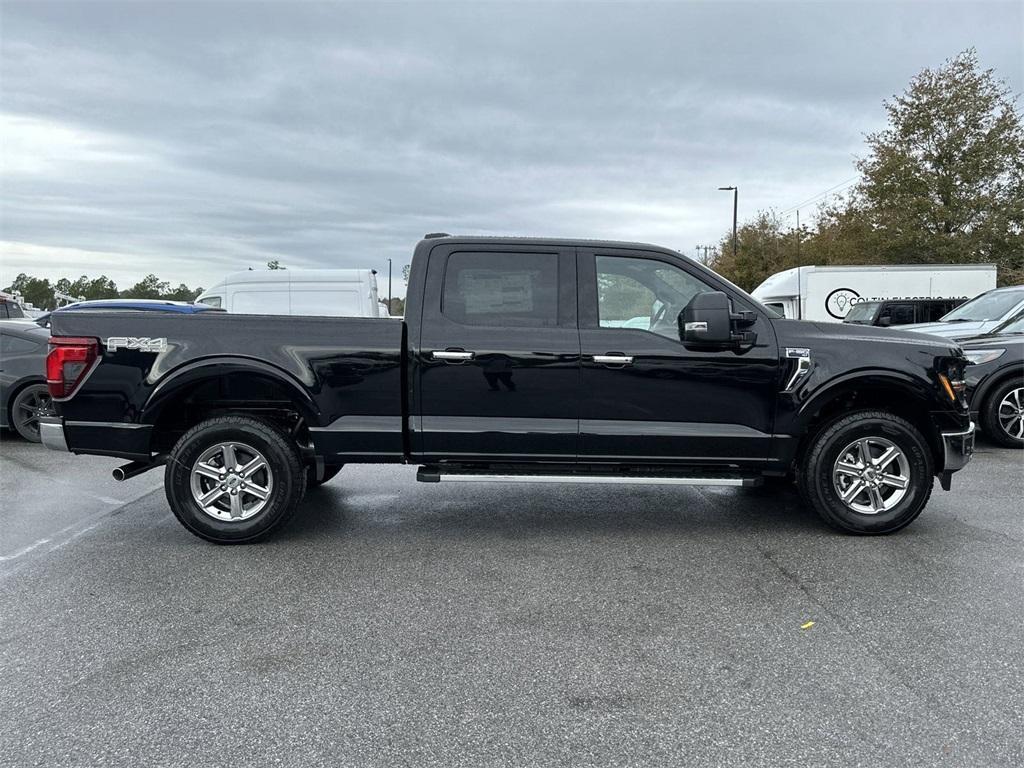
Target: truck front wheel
[
  {"x": 234, "y": 479},
  {"x": 869, "y": 472}
]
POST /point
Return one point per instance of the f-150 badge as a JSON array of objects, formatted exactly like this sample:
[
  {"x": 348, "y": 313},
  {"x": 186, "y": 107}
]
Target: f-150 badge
[{"x": 143, "y": 343}]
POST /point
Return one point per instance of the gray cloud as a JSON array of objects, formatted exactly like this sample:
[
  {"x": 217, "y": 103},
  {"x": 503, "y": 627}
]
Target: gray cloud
[{"x": 191, "y": 140}]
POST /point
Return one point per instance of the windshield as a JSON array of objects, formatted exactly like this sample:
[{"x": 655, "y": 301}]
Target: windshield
[
  {"x": 988, "y": 306},
  {"x": 1014, "y": 326},
  {"x": 863, "y": 313}
]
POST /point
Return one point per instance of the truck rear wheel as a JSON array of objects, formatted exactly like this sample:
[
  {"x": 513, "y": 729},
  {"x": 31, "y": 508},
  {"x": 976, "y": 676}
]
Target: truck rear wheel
[
  {"x": 869, "y": 472},
  {"x": 234, "y": 479}
]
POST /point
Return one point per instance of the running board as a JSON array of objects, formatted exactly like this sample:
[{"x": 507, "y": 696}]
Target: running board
[{"x": 432, "y": 475}]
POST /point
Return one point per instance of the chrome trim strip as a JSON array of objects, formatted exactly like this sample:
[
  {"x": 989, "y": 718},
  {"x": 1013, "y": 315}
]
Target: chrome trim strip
[
  {"x": 355, "y": 423},
  {"x": 640, "y": 428},
  {"x": 107, "y": 424},
  {"x": 593, "y": 479},
  {"x": 502, "y": 424},
  {"x": 51, "y": 433}
]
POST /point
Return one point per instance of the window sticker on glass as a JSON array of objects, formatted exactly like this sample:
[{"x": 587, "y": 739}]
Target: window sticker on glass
[{"x": 489, "y": 291}]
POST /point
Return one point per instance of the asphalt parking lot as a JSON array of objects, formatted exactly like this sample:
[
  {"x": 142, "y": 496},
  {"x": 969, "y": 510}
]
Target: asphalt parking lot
[{"x": 396, "y": 623}]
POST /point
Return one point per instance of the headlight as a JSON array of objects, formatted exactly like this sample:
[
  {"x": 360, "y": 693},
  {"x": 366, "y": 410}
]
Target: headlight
[{"x": 980, "y": 356}]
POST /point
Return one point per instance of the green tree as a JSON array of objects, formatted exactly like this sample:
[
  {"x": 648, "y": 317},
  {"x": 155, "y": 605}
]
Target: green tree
[
  {"x": 944, "y": 181},
  {"x": 36, "y": 291},
  {"x": 182, "y": 293},
  {"x": 405, "y": 273},
  {"x": 275, "y": 264},
  {"x": 150, "y": 287},
  {"x": 763, "y": 247},
  {"x": 397, "y": 308},
  {"x": 101, "y": 287}
]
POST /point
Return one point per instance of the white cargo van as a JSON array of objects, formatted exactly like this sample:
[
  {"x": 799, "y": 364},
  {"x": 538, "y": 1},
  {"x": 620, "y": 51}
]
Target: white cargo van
[
  {"x": 828, "y": 293},
  {"x": 327, "y": 292}
]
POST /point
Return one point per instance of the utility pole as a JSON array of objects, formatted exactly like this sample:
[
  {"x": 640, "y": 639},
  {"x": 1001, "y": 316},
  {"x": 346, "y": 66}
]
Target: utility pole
[
  {"x": 798, "y": 237},
  {"x": 707, "y": 249},
  {"x": 389, "y": 286},
  {"x": 735, "y": 209}
]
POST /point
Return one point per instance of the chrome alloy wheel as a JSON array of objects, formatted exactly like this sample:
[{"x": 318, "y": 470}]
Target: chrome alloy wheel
[
  {"x": 871, "y": 475},
  {"x": 231, "y": 481},
  {"x": 1011, "y": 413}
]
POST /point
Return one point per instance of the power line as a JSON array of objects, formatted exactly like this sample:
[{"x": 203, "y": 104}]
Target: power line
[{"x": 818, "y": 196}]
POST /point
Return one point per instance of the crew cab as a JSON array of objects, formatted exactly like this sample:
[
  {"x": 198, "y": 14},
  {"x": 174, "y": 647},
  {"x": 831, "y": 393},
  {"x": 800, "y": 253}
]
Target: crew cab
[{"x": 513, "y": 364}]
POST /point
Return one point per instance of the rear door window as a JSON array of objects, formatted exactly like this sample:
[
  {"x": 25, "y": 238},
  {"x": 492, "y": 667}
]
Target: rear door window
[{"x": 501, "y": 289}]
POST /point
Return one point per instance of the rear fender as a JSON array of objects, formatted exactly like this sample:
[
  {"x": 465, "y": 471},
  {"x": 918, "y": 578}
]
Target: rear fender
[{"x": 204, "y": 370}]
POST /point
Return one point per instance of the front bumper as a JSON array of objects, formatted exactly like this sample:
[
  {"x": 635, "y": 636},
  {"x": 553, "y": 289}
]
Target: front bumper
[
  {"x": 957, "y": 448},
  {"x": 51, "y": 432}
]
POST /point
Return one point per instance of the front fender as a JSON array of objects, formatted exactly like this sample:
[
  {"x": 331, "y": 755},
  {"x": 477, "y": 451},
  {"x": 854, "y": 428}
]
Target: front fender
[{"x": 853, "y": 381}]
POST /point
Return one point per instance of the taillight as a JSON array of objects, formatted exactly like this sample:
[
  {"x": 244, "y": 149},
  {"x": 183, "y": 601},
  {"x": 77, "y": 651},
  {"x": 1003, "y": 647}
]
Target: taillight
[{"x": 69, "y": 359}]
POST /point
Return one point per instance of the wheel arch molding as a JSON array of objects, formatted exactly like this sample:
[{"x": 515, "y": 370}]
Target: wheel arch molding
[
  {"x": 193, "y": 374},
  {"x": 993, "y": 381},
  {"x": 893, "y": 391}
]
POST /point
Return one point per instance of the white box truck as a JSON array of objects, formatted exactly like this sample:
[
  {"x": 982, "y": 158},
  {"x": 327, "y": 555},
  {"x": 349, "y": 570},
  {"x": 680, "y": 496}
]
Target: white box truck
[
  {"x": 324, "y": 292},
  {"x": 828, "y": 293}
]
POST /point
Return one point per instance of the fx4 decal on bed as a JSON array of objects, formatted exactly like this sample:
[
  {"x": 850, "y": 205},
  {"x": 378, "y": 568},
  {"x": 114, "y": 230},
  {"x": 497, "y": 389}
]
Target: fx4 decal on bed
[{"x": 143, "y": 343}]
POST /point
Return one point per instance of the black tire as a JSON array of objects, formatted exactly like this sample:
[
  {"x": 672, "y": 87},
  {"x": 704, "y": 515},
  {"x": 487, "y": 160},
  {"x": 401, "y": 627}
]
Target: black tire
[
  {"x": 819, "y": 462},
  {"x": 330, "y": 470},
  {"x": 285, "y": 476},
  {"x": 27, "y": 407},
  {"x": 989, "y": 416}
]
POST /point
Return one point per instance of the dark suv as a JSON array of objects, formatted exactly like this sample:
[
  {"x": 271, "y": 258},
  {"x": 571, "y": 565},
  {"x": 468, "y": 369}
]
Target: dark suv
[{"x": 900, "y": 311}]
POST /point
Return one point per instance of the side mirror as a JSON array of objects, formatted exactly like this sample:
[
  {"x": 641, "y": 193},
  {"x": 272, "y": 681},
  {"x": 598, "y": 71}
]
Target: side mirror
[
  {"x": 707, "y": 319},
  {"x": 885, "y": 322}
]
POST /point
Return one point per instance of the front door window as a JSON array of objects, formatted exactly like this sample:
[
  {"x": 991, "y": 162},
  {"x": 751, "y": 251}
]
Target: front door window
[{"x": 643, "y": 294}]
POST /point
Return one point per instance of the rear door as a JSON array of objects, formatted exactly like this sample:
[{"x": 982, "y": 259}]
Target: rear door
[
  {"x": 498, "y": 354},
  {"x": 645, "y": 397}
]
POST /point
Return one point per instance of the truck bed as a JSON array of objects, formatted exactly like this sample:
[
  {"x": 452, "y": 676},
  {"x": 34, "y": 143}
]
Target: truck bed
[{"x": 346, "y": 372}]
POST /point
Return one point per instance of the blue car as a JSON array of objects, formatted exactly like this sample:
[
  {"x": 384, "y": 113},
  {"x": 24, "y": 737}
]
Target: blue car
[{"x": 122, "y": 305}]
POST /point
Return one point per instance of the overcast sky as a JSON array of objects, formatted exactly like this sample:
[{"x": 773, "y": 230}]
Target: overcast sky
[{"x": 191, "y": 140}]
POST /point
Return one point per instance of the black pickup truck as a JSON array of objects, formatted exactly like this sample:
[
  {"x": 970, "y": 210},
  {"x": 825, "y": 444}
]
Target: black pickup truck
[{"x": 519, "y": 360}]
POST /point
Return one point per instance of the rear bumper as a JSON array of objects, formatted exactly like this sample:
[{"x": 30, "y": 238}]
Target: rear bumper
[
  {"x": 957, "y": 448},
  {"x": 51, "y": 433},
  {"x": 127, "y": 441}
]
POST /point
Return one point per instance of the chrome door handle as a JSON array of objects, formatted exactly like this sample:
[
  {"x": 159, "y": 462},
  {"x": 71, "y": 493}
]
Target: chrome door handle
[
  {"x": 614, "y": 359},
  {"x": 451, "y": 354}
]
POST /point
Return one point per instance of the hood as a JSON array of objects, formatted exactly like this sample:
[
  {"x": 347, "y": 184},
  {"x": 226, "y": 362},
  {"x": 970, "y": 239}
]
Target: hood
[
  {"x": 949, "y": 330},
  {"x": 993, "y": 340},
  {"x": 791, "y": 331}
]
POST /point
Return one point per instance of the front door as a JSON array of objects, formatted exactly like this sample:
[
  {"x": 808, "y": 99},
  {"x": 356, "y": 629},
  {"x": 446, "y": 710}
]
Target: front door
[
  {"x": 499, "y": 355},
  {"x": 647, "y": 398}
]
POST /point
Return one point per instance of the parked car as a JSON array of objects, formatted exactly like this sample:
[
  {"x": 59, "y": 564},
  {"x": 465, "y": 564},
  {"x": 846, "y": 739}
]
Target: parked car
[
  {"x": 24, "y": 397},
  {"x": 509, "y": 368},
  {"x": 979, "y": 315},
  {"x": 122, "y": 305},
  {"x": 995, "y": 383},
  {"x": 900, "y": 312},
  {"x": 320, "y": 292},
  {"x": 10, "y": 309},
  {"x": 828, "y": 293}
]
